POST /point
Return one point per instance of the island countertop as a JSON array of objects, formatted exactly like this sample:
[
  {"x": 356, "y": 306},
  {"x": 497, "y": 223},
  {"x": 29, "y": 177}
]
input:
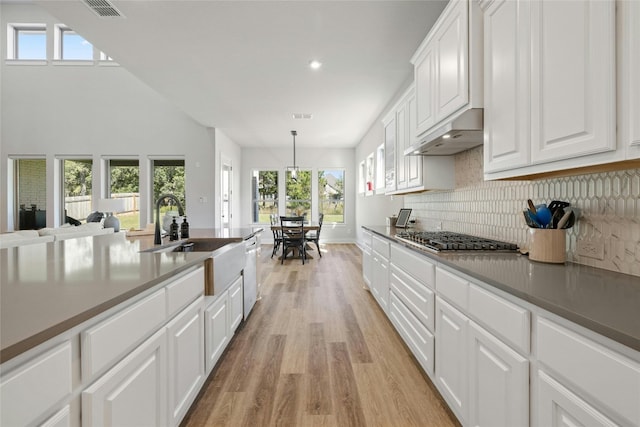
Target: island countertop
[
  {"x": 48, "y": 288},
  {"x": 604, "y": 301}
]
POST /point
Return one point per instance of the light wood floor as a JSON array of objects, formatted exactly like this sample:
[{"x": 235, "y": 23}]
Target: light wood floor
[{"x": 317, "y": 350}]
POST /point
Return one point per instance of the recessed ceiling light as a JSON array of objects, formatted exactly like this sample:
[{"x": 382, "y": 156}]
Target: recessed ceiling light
[
  {"x": 315, "y": 64},
  {"x": 305, "y": 116}
]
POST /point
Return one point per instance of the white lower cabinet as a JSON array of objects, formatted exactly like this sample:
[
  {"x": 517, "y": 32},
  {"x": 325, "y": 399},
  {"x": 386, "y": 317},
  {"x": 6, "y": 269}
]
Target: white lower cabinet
[
  {"x": 133, "y": 392},
  {"x": 185, "y": 359},
  {"x": 380, "y": 279},
  {"x": 498, "y": 382},
  {"x": 559, "y": 407},
  {"x": 367, "y": 258},
  {"x": 29, "y": 392},
  {"x": 236, "y": 302},
  {"x": 216, "y": 329},
  {"x": 62, "y": 418},
  {"x": 451, "y": 357}
]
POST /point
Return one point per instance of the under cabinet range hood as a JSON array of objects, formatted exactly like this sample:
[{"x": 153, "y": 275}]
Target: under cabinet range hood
[{"x": 463, "y": 132}]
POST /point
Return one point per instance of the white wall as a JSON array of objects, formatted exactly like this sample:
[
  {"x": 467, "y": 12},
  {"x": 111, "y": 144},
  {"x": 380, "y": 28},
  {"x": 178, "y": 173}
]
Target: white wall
[
  {"x": 96, "y": 111},
  {"x": 229, "y": 152},
  {"x": 306, "y": 158},
  {"x": 375, "y": 208}
]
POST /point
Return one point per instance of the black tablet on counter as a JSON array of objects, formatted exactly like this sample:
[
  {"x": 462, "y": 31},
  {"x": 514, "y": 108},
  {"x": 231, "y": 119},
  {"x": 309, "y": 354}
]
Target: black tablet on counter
[{"x": 403, "y": 218}]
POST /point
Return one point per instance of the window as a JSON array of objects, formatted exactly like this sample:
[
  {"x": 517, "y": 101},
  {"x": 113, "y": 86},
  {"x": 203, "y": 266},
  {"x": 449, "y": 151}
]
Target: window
[
  {"x": 77, "y": 189},
  {"x": 380, "y": 183},
  {"x": 70, "y": 46},
  {"x": 361, "y": 178},
  {"x": 31, "y": 192},
  {"x": 168, "y": 178},
  {"x": 298, "y": 194},
  {"x": 264, "y": 195},
  {"x": 124, "y": 183},
  {"x": 369, "y": 175},
  {"x": 27, "y": 41},
  {"x": 331, "y": 195},
  {"x": 105, "y": 57}
]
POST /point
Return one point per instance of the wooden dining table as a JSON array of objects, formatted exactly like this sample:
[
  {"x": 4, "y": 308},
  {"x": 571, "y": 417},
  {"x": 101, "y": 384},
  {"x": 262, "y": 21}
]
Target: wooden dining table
[{"x": 307, "y": 227}]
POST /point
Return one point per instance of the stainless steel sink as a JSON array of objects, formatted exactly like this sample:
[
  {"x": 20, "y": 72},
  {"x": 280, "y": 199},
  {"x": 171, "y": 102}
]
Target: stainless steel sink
[{"x": 202, "y": 245}]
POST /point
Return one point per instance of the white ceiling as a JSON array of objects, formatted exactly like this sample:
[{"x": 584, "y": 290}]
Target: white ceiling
[{"x": 242, "y": 66}]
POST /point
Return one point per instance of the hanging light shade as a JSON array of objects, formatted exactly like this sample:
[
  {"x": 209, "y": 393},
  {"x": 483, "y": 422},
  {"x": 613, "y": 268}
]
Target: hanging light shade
[{"x": 294, "y": 169}]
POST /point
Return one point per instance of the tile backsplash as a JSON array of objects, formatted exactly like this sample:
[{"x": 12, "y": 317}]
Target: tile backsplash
[{"x": 609, "y": 203}]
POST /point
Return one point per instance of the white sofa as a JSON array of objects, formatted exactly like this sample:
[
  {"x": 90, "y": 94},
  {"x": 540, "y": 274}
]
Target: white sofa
[
  {"x": 28, "y": 237},
  {"x": 22, "y": 237}
]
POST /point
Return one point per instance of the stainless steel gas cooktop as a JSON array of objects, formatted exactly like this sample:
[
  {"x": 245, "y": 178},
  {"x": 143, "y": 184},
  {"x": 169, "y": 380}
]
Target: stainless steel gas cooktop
[{"x": 441, "y": 241}]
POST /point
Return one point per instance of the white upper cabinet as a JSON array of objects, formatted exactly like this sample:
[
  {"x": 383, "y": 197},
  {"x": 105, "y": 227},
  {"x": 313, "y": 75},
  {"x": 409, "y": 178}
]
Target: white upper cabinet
[
  {"x": 448, "y": 66},
  {"x": 424, "y": 74},
  {"x": 452, "y": 52},
  {"x": 572, "y": 79},
  {"x": 507, "y": 76},
  {"x": 629, "y": 69},
  {"x": 405, "y": 174},
  {"x": 550, "y": 86}
]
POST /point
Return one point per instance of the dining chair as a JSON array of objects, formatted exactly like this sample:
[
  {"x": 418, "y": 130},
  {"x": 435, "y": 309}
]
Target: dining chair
[
  {"x": 293, "y": 236},
  {"x": 314, "y": 235},
  {"x": 277, "y": 233}
]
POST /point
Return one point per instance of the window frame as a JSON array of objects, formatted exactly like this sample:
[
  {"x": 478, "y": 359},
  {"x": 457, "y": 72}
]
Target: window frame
[
  {"x": 62, "y": 184},
  {"x": 287, "y": 173},
  {"x": 13, "y": 36},
  {"x": 320, "y": 200},
  {"x": 276, "y": 200},
  {"x": 58, "y": 47}
]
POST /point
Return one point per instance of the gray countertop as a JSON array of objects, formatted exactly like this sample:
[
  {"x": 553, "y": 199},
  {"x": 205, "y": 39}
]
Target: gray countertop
[
  {"x": 48, "y": 288},
  {"x": 604, "y": 301}
]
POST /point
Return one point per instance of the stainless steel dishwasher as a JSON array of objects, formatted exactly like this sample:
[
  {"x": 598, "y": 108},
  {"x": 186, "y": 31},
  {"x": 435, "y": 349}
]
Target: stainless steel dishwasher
[{"x": 250, "y": 274}]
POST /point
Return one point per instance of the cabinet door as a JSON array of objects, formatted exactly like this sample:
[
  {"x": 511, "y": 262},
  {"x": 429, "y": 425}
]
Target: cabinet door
[
  {"x": 413, "y": 163},
  {"x": 498, "y": 382},
  {"x": 629, "y": 93},
  {"x": 236, "y": 302},
  {"x": 452, "y": 60},
  {"x": 380, "y": 280},
  {"x": 367, "y": 266},
  {"x": 390, "y": 154},
  {"x": 402, "y": 136},
  {"x": 506, "y": 94},
  {"x": 572, "y": 79},
  {"x": 559, "y": 407},
  {"x": 186, "y": 359},
  {"x": 425, "y": 78},
  {"x": 451, "y": 357},
  {"x": 216, "y": 329},
  {"x": 132, "y": 393}
]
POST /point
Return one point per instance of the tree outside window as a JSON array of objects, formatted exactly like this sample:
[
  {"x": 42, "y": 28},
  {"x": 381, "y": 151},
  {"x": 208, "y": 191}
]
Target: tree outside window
[
  {"x": 331, "y": 195},
  {"x": 124, "y": 183},
  {"x": 264, "y": 199},
  {"x": 298, "y": 197},
  {"x": 77, "y": 188}
]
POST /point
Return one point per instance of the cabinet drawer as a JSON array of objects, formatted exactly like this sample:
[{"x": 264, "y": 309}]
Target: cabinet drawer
[
  {"x": 597, "y": 371},
  {"x": 381, "y": 246},
  {"x": 511, "y": 322},
  {"x": 413, "y": 264},
  {"x": 367, "y": 239},
  {"x": 105, "y": 343},
  {"x": 419, "y": 299},
  {"x": 414, "y": 334},
  {"x": 32, "y": 389},
  {"x": 453, "y": 288},
  {"x": 184, "y": 290}
]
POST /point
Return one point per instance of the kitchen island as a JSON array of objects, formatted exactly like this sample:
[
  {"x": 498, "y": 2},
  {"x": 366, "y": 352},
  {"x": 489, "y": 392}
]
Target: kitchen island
[{"x": 79, "y": 314}]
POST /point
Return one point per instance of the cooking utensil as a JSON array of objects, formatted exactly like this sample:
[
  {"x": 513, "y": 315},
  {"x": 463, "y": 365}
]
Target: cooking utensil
[
  {"x": 543, "y": 216},
  {"x": 530, "y": 219},
  {"x": 555, "y": 217},
  {"x": 565, "y": 218},
  {"x": 532, "y": 207},
  {"x": 556, "y": 204}
]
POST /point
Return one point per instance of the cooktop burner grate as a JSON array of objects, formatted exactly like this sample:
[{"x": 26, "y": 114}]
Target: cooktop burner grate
[{"x": 439, "y": 241}]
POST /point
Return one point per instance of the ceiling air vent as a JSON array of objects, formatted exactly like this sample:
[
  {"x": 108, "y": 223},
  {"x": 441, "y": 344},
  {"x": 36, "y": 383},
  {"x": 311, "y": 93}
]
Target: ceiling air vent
[
  {"x": 302, "y": 116},
  {"x": 103, "y": 8}
]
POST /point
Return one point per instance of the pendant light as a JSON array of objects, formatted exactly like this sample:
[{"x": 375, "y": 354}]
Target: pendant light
[{"x": 294, "y": 169}]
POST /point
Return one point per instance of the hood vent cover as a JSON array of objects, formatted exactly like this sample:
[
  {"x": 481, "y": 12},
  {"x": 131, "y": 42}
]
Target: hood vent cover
[
  {"x": 459, "y": 134},
  {"x": 103, "y": 8}
]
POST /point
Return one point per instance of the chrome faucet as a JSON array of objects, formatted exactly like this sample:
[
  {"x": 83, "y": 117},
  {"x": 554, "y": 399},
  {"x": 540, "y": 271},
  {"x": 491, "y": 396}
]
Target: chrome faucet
[{"x": 157, "y": 238}]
